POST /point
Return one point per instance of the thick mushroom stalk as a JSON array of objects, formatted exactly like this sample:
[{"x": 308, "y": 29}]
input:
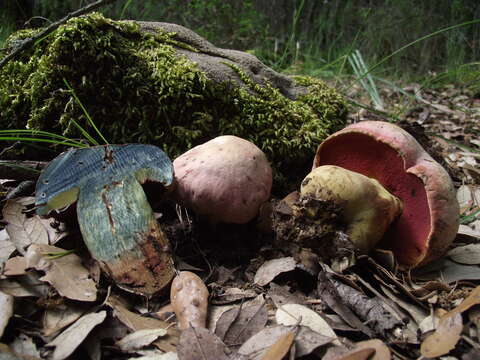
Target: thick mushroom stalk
[
  {"x": 367, "y": 208},
  {"x": 226, "y": 179},
  {"x": 115, "y": 218},
  {"x": 387, "y": 153}
]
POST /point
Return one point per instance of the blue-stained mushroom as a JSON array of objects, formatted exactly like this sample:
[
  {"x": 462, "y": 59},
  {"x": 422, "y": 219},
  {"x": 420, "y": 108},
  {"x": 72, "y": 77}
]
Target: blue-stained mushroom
[{"x": 116, "y": 220}]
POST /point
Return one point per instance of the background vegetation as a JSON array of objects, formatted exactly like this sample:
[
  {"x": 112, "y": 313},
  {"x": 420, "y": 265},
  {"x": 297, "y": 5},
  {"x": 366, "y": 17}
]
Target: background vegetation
[{"x": 307, "y": 36}]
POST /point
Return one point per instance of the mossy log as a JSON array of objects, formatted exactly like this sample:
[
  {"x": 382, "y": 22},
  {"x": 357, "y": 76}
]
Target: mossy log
[{"x": 163, "y": 84}]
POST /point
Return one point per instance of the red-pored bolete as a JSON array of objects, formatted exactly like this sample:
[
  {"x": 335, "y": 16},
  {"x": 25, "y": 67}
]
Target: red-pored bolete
[
  {"x": 367, "y": 208},
  {"x": 387, "y": 153},
  {"x": 189, "y": 299},
  {"x": 226, "y": 179}
]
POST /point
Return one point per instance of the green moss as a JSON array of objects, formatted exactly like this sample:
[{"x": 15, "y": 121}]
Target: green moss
[{"x": 137, "y": 89}]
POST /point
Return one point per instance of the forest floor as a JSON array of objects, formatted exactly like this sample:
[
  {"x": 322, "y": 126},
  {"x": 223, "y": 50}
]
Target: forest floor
[{"x": 263, "y": 303}]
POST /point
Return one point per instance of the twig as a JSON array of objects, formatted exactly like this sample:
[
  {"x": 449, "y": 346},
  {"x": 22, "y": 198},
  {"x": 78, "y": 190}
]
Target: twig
[{"x": 53, "y": 26}]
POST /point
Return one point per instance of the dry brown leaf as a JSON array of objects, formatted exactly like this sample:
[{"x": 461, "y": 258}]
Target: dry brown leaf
[
  {"x": 59, "y": 317},
  {"x": 292, "y": 314},
  {"x": 464, "y": 198},
  {"x": 137, "y": 322},
  {"x": 15, "y": 266},
  {"x": 65, "y": 273},
  {"x": 23, "y": 345},
  {"x": 6, "y": 247},
  {"x": 360, "y": 354},
  {"x": 444, "y": 338},
  {"x": 306, "y": 341},
  {"x": 23, "y": 231},
  {"x": 447, "y": 271},
  {"x": 272, "y": 268},
  {"x": 468, "y": 254},
  {"x": 6, "y": 310},
  {"x": 66, "y": 343},
  {"x": 140, "y": 339},
  {"x": 280, "y": 348},
  {"x": 237, "y": 325},
  {"x": 26, "y": 285},
  {"x": 200, "y": 344},
  {"x": 382, "y": 352}
]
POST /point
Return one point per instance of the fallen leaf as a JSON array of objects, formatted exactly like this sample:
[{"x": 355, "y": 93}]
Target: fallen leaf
[
  {"x": 24, "y": 346},
  {"x": 6, "y": 310},
  {"x": 23, "y": 231},
  {"x": 15, "y": 266},
  {"x": 137, "y": 322},
  {"x": 200, "y": 344},
  {"x": 464, "y": 198},
  {"x": 59, "y": 317},
  {"x": 306, "y": 341},
  {"x": 292, "y": 314},
  {"x": 140, "y": 339},
  {"x": 237, "y": 325},
  {"x": 280, "y": 348},
  {"x": 65, "y": 273},
  {"x": 272, "y": 268},
  {"x": 26, "y": 285},
  {"x": 472, "y": 299},
  {"x": 382, "y": 352},
  {"x": 360, "y": 354},
  {"x": 66, "y": 343},
  {"x": 447, "y": 271},
  {"x": 444, "y": 338},
  {"x": 6, "y": 247},
  {"x": 231, "y": 295},
  {"x": 468, "y": 254}
]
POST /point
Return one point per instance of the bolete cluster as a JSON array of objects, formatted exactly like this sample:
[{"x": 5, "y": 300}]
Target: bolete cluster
[{"x": 405, "y": 199}]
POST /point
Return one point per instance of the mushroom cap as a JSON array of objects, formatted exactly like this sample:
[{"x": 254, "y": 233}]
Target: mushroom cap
[
  {"x": 60, "y": 182},
  {"x": 386, "y": 152},
  {"x": 226, "y": 179}
]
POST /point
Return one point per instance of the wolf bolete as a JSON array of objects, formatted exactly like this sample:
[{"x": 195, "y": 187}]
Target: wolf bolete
[
  {"x": 115, "y": 218},
  {"x": 430, "y": 217},
  {"x": 226, "y": 179}
]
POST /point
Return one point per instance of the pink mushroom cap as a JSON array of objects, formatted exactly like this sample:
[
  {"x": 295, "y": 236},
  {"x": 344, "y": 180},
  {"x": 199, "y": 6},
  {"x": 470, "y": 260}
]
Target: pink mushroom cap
[
  {"x": 430, "y": 218},
  {"x": 226, "y": 179}
]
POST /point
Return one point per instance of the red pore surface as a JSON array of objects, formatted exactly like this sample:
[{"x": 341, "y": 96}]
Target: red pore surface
[
  {"x": 226, "y": 179},
  {"x": 386, "y": 152}
]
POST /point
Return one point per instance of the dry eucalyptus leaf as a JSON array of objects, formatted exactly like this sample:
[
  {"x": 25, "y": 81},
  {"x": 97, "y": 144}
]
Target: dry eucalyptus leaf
[
  {"x": 137, "y": 322},
  {"x": 26, "y": 285},
  {"x": 467, "y": 231},
  {"x": 59, "y": 317},
  {"x": 292, "y": 314},
  {"x": 272, "y": 268},
  {"x": 6, "y": 247},
  {"x": 140, "y": 339},
  {"x": 200, "y": 344},
  {"x": 237, "y": 325},
  {"x": 66, "y": 343},
  {"x": 6, "y": 310},
  {"x": 444, "y": 338},
  {"x": 468, "y": 254},
  {"x": 23, "y": 231},
  {"x": 306, "y": 341},
  {"x": 233, "y": 294},
  {"x": 358, "y": 354},
  {"x": 65, "y": 273},
  {"x": 472, "y": 299},
  {"x": 447, "y": 271},
  {"x": 155, "y": 355},
  {"x": 15, "y": 266},
  {"x": 382, "y": 352},
  {"x": 280, "y": 348},
  {"x": 464, "y": 198},
  {"x": 24, "y": 346}
]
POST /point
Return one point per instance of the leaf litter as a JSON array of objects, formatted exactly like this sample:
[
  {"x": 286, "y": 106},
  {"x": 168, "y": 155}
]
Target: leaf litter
[{"x": 55, "y": 303}]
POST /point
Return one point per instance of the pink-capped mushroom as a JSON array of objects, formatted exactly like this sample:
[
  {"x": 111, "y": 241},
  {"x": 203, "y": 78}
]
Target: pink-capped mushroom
[
  {"x": 383, "y": 151},
  {"x": 226, "y": 179}
]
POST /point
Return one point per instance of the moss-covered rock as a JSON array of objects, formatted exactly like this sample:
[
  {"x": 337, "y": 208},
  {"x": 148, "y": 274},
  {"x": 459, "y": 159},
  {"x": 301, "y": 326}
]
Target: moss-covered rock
[{"x": 163, "y": 84}]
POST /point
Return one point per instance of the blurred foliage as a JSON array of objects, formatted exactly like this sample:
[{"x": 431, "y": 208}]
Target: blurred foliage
[{"x": 305, "y": 33}]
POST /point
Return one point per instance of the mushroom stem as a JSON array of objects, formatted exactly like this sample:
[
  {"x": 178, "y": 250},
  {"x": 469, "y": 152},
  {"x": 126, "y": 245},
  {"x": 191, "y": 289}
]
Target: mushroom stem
[
  {"x": 121, "y": 233},
  {"x": 368, "y": 208}
]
